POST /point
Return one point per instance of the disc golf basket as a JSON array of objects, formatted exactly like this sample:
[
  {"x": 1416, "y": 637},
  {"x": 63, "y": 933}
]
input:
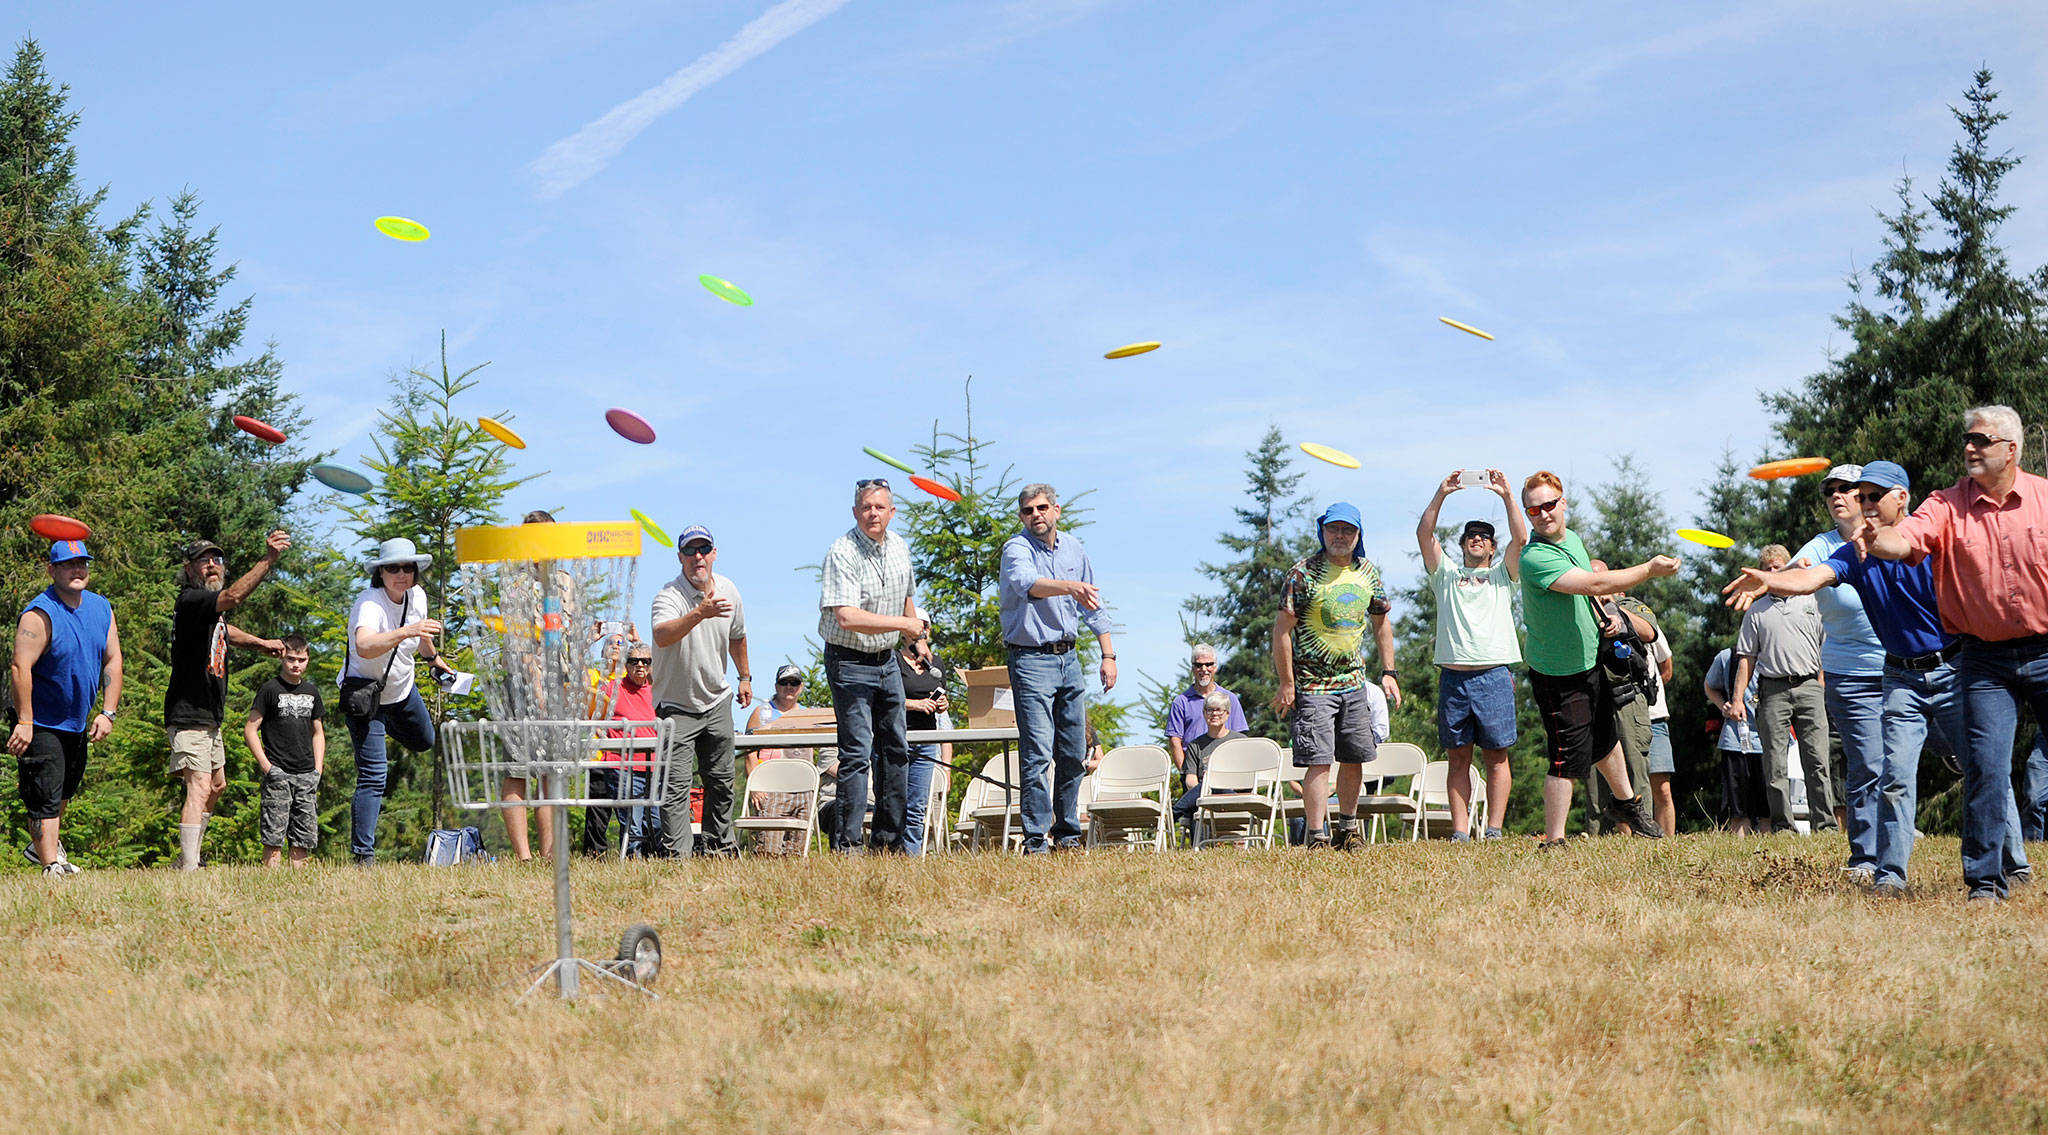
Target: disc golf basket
[{"x": 544, "y": 600}]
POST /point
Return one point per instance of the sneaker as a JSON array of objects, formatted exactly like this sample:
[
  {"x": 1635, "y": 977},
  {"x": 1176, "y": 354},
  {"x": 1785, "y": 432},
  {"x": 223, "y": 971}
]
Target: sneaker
[
  {"x": 1985, "y": 898},
  {"x": 2020, "y": 878},
  {"x": 1889, "y": 890},
  {"x": 1491, "y": 834},
  {"x": 1318, "y": 840},
  {"x": 1635, "y": 814},
  {"x": 1347, "y": 835},
  {"x": 1557, "y": 844},
  {"x": 1461, "y": 837},
  {"x": 1860, "y": 876},
  {"x": 59, "y": 870}
]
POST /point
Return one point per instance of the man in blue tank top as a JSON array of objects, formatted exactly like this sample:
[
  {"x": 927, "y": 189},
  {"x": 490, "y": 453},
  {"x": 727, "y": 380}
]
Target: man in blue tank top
[{"x": 63, "y": 645}]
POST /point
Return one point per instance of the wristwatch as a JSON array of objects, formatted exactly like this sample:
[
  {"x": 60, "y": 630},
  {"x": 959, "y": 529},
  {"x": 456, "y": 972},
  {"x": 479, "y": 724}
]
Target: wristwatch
[{"x": 109, "y": 714}]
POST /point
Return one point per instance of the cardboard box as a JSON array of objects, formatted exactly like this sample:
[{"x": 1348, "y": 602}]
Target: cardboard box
[
  {"x": 988, "y": 698},
  {"x": 803, "y": 719}
]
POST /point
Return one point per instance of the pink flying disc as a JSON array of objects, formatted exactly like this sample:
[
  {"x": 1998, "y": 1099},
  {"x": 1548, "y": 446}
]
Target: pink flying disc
[
  {"x": 630, "y": 426},
  {"x": 262, "y": 430}
]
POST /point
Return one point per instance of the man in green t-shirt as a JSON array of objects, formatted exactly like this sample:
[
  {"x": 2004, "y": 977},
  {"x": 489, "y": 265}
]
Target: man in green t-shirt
[
  {"x": 1564, "y": 654},
  {"x": 1319, "y": 648}
]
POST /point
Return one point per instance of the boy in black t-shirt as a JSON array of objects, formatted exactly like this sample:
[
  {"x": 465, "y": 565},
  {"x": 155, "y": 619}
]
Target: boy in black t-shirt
[{"x": 286, "y": 734}]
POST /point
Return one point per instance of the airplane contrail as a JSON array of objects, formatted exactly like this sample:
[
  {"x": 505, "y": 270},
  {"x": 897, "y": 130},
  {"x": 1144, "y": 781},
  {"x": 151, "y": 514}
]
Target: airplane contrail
[{"x": 569, "y": 162}]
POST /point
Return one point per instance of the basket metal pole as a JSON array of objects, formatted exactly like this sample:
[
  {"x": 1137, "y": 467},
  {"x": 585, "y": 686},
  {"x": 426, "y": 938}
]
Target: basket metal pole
[{"x": 565, "y": 923}]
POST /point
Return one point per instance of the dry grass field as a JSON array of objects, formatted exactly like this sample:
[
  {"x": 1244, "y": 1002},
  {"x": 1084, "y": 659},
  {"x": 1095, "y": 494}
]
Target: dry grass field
[{"x": 1700, "y": 984}]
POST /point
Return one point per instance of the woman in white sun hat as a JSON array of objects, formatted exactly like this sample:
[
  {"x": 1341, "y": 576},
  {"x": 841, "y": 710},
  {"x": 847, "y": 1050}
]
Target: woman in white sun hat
[{"x": 388, "y": 628}]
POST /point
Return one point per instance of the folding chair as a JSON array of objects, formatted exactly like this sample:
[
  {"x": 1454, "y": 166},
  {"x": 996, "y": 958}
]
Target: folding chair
[
  {"x": 782, "y": 775},
  {"x": 1291, "y": 806},
  {"x": 976, "y": 797},
  {"x": 1000, "y": 819},
  {"x": 935, "y": 810},
  {"x": 1432, "y": 792},
  {"x": 1393, "y": 760},
  {"x": 1122, "y": 805},
  {"x": 1240, "y": 793}
]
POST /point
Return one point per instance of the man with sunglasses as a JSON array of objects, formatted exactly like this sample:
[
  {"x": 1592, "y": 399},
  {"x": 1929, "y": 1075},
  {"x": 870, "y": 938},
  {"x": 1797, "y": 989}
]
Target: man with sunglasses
[
  {"x": 864, "y": 608},
  {"x": 196, "y": 696},
  {"x": 700, "y": 626},
  {"x": 1475, "y": 645},
  {"x": 1985, "y": 538},
  {"x": 1921, "y": 686},
  {"x": 1046, "y": 588},
  {"x": 1780, "y": 641},
  {"x": 632, "y": 699},
  {"x": 1852, "y": 677},
  {"x": 1187, "y": 714},
  {"x": 1558, "y": 584}
]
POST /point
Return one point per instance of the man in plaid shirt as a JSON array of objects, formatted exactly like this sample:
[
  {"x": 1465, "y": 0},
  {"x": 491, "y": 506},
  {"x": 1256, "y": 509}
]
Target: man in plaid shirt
[{"x": 865, "y": 605}]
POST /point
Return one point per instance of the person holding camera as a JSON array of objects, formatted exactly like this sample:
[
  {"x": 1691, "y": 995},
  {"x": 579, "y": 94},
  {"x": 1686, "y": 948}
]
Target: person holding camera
[
  {"x": 1565, "y": 678},
  {"x": 1780, "y": 640},
  {"x": 388, "y": 629},
  {"x": 1630, "y": 638}
]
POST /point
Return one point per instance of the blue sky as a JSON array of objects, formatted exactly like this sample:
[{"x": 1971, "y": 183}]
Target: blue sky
[{"x": 1652, "y": 206}]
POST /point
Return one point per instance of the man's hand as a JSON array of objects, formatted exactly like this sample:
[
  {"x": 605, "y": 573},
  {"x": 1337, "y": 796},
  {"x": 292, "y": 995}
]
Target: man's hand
[
  {"x": 1283, "y": 699},
  {"x": 99, "y": 728},
  {"x": 1752, "y": 585},
  {"x": 1498, "y": 482},
  {"x": 1661, "y": 566},
  {"x": 276, "y": 543},
  {"x": 1450, "y": 484},
  {"x": 19, "y": 737},
  {"x": 1087, "y": 594},
  {"x": 1391, "y": 686},
  {"x": 274, "y": 647},
  {"x": 1734, "y": 709},
  {"x": 745, "y": 697},
  {"x": 711, "y": 606},
  {"x": 1108, "y": 674}
]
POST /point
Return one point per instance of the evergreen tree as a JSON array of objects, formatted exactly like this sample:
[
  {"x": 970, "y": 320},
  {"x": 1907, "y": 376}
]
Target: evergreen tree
[{"x": 1272, "y": 537}]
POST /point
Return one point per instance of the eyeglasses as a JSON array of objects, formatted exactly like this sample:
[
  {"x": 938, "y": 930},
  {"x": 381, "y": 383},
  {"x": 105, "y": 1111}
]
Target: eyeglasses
[
  {"x": 1034, "y": 509},
  {"x": 1873, "y": 498},
  {"x": 699, "y": 550},
  {"x": 1979, "y": 441},
  {"x": 874, "y": 482},
  {"x": 1544, "y": 508}
]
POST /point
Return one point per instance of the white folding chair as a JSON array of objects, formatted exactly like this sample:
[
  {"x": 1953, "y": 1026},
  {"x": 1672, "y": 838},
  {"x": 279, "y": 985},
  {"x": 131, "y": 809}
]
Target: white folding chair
[
  {"x": 972, "y": 800},
  {"x": 1000, "y": 819},
  {"x": 1240, "y": 793},
  {"x": 782, "y": 775},
  {"x": 1393, "y": 760},
  {"x": 1291, "y": 806},
  {"x": 935, "y": 809},
  {"x": 1432, "y": 791},
  {"x": 1122, "y": 810}
]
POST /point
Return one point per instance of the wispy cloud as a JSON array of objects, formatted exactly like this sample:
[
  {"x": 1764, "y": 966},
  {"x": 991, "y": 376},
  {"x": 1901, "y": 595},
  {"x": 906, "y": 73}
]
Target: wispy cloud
[{"x": 567, "y": 163}]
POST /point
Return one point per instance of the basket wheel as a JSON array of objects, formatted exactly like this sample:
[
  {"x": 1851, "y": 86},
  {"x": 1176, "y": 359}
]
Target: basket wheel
[{"x": 640, "y": 953}]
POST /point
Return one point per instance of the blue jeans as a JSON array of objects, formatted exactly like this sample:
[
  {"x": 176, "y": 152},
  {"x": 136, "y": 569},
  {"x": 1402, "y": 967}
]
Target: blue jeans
[
  {"x": 923, "y": 767},
  {"x": 406, "y": 722},
  {"x": 867, "y": 698},
  {"x": 597, "y": 822},
  {"x": 1052, "y": 730},
  {"x": 1856, "y": 710},
  {"x": 2034, "y": 800},
  {"x": 1996, "y": 677}
]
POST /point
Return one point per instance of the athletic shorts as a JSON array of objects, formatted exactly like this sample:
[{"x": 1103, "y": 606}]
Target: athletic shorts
[
  {"x": 50, "y": 771},
  {"x": 197, "y": 749},
  {"x": 1578, "y": 720},
  {"x": 1475, "y": 704},
  {"x": 1329, "y": 727}
]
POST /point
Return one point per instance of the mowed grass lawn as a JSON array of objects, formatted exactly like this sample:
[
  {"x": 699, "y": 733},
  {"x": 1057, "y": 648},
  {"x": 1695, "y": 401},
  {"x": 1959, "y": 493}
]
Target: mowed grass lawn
[{"x": 1699, "y": 984}]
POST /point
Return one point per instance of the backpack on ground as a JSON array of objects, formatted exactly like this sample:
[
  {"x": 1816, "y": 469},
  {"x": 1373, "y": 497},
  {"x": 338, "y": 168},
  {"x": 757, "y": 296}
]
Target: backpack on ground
[{"x": 449, "y": 846}]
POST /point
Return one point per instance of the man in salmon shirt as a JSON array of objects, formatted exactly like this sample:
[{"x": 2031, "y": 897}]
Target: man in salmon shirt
[{"x": 1986, "y": 540}]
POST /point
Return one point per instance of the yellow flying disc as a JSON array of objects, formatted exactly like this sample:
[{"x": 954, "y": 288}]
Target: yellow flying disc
[
  {"x": 1129, "y": 349},
  {"x": 502, "y": 432},
  {"x": 1465, "y": 327},
  {"x": 652, "y": 528},
  {"x": 1704, "y": 537},
  {"x": 1333, "y": 456},
  {"x": 399, "y": 228}
]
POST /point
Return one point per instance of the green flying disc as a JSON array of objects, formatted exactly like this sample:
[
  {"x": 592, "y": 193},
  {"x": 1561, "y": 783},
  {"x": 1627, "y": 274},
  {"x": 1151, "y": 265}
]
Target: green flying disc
[{"x": 726, "y": 290}]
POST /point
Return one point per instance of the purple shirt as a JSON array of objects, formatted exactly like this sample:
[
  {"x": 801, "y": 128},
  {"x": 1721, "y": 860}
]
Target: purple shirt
[{"x": 1184, "y": 716}]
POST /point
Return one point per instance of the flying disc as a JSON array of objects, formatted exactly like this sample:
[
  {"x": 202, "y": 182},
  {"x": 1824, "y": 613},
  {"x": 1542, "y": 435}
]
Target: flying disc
[
  {"x": 886, "y": 459},
  {"x": 1790, "y": 467},
  {"x": 1704, "y": 537},
  {"x": 1129, "y": 349},
  {"x": 51, "y": 526},
  {"x": 630, "y": 426},
  {"x": 399, "y": 228},
  {"x": 653, "y": 529},
  {"x": 936, "y": 488},
  {"x": 1333, "y": 456},
  {"x": 502, "y": 432},
  {"x": 341, "y": 478},
  {"x": 1465, "y": 327},
  {"x": 262, "y": 430},
  {"x": 726, "y": 290}
]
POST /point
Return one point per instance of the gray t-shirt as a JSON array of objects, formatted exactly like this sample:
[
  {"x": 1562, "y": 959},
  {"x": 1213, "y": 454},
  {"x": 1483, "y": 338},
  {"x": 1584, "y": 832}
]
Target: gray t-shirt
[
  {"x": 1783, "y": 635},
  {"x": 690, "y": 672}
]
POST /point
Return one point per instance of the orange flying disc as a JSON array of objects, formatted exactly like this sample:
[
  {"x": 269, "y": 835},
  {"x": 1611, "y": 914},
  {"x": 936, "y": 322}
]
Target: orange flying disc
[
  {"x": 51, "y": 526},
  {"x": 936, "y": 488},
  {"x": 262, "y": 430},
  {"x": 1790, "y": 467}
]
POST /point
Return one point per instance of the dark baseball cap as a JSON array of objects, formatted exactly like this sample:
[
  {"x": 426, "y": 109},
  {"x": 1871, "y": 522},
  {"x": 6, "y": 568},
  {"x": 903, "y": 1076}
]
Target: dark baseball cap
[
  {"x": 1477, "y": 528},
  {"x": 198, "y": 548}
]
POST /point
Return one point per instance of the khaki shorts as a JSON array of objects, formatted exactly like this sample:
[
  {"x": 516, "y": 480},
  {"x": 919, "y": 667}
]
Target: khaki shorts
[{"x": 197, "y": 749}]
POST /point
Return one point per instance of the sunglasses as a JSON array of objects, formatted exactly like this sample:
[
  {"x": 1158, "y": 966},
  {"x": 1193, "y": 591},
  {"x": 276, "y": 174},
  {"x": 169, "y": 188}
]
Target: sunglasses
[
  {"x": 790, "y": 682},
  {"x": 1873, "y": 498},
  {"x": 410, "y": 569},
  {"x": 699, "y": 550},
  {"x": 1544, "y": 508},
  {"x": 877, "y": 482},
  {"x": 639, "y": 661},
  {"x": 1837, "y": 488},
  {"x": 1204, "y": 665},
  {"x": 1981, "y": 440},
  {"x": 1034, "y": 509}
]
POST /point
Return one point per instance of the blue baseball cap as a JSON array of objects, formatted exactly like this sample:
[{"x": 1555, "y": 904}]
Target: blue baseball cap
[
  {"x": 694, "y": 532},
  {"x": 1343, "y": 512},
  {"x": 1885, "y": 475},
  {"x": 64, "y": 550}
]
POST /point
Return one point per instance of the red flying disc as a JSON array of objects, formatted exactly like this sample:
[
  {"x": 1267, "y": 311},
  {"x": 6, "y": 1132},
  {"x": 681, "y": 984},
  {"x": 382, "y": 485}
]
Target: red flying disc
[
  {"x": 51, "y": 526},
  {"x": 262, "y": 430},
  {"x": 630, "y": 426},
  {"x": 935, "y": 488}
]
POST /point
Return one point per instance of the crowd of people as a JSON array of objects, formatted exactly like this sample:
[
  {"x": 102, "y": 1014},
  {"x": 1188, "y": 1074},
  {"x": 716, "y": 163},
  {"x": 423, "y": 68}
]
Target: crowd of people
[{"x": 1893, "y": 624}]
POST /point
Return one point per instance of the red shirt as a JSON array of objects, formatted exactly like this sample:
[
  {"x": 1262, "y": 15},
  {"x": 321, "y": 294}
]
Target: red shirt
[
  {"x": 1989, "y": 557},
  {"x": 633, "y": 703}
]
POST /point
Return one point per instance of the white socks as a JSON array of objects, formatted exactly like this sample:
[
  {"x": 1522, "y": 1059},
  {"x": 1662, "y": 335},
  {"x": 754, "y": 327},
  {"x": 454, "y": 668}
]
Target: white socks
[{"x": 189, "y": 836}]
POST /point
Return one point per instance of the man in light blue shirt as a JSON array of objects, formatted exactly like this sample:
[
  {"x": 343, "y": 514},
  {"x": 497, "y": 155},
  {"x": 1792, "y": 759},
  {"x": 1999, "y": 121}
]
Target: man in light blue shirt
[
  {"x": 1852, "y": 662},
  {"x": 1047, "y": 589}
]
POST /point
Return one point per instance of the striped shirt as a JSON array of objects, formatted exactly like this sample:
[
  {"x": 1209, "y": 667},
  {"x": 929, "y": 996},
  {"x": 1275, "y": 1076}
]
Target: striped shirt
[{"x": 875, "y": 577}]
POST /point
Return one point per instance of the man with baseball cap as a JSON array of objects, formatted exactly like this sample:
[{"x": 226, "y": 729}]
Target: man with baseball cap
[
  {"x": 64, "y": 645},
  {"x": 1319, "y": 659},
  {"x": 700, "y": 625},
  {"x": 195, "y": 699},
  {"x": 1475, "y": 646},
  {"x": 1922, "y": 685}
]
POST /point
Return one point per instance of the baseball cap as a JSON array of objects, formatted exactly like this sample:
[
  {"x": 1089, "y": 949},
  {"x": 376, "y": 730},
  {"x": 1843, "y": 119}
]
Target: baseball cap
[
  {"x": 1476, "y": 528},
  {"x": 1884, "y": 474},
  {"x": 1847, "y": 474},
  {"x": 198, "y": 548},
  {"x": 922, "y": 615},
  {"x": 1343, "y": 512},
  {"x": 694, "y": 532},
  {"x": 786, "y": 671},
  {"x": 64, "y": 550}
]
